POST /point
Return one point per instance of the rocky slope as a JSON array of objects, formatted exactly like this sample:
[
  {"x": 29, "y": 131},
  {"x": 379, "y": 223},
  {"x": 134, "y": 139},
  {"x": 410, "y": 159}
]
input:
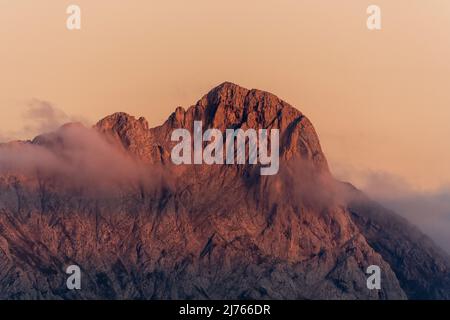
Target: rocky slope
[{"x": 159, "y": 231}]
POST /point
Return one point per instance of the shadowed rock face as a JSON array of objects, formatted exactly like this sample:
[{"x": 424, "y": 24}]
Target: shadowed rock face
[{"x": 201, "y": 232}]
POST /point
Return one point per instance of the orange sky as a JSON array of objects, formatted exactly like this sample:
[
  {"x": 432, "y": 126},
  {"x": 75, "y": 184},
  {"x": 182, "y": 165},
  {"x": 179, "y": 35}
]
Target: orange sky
[{"x": 380, "y": 100}]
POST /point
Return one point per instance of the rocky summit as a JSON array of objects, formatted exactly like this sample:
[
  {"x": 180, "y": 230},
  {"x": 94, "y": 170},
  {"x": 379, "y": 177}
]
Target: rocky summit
[{"x": 109, "y": 200}]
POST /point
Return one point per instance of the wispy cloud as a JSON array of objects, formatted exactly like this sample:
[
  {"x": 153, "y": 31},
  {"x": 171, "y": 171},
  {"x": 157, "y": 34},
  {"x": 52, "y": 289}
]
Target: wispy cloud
[
  {"x": 39, "y": 116},
  {"x": 429, "y": 210},
  {"x": 77, "y": 158}
]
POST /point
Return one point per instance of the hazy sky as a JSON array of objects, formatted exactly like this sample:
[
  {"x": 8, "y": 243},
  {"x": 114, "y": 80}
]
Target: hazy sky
[{"x": 380, "y": 100}]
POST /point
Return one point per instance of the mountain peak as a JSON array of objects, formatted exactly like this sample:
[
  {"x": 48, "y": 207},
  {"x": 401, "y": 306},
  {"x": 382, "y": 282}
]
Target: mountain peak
[
  {"x": 234, "y": 95},
  {"x": 226, "y": 106},
  {"x": 133, "y": 134},
  {"x": 120, "y": 120},
  {"x": 227, "y": 87},
  {"x": 294, "y": 231},
  {"x": 227, "y": 84}
]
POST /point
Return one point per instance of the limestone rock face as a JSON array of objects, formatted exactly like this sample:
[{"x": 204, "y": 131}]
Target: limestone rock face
[
  {"x": 204, "y": 231},
  {"x": 228, "y": 106}
]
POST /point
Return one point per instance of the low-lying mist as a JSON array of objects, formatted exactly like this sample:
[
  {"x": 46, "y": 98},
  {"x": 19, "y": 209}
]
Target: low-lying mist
[
  {"x": 428, "y": 210},
  {"x": 76, "y": 157}
]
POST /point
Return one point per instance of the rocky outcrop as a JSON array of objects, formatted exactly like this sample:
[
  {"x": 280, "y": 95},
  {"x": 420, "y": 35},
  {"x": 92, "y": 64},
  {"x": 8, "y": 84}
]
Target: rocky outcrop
[{"x": 211, "y": 232}]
